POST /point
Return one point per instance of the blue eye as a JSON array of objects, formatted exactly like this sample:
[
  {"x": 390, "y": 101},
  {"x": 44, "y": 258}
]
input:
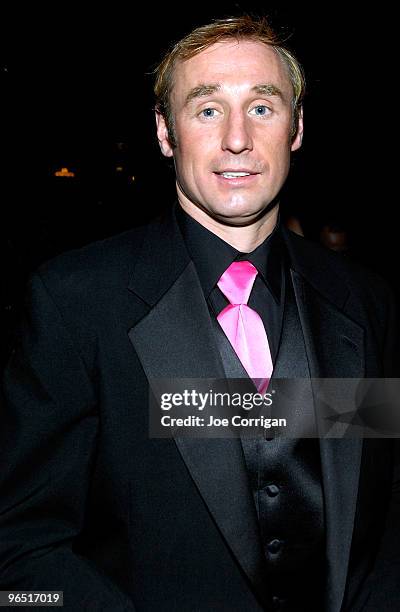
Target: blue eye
[
  {"x": 261, "y": 110},
  {"x": 208, "y": 112}
]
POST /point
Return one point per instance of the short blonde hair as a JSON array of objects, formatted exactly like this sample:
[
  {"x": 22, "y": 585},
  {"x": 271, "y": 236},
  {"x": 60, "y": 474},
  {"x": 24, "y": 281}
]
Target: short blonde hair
[{"x": 244, "y": 27}]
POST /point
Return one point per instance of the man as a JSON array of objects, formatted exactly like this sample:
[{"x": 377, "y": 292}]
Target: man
[{"x": 118, "y": 520}]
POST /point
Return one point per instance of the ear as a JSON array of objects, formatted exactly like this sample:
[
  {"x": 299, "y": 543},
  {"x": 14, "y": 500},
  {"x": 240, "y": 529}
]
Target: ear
[
  {"x": 296, "y": 144},
  {"x": 162, "y": 135}
]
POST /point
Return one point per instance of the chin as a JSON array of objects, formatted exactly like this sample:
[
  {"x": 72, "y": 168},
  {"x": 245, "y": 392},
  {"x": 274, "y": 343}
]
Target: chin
[
  {"x": 237, "y": 218},
  {"x": 241, "y": 212}
]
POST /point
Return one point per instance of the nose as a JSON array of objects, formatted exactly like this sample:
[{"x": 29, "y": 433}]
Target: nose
[{"x": 236, "y": 134}]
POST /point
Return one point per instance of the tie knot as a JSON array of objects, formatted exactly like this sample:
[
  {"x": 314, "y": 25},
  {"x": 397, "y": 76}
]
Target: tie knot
[{"x": 237, "y": 281}]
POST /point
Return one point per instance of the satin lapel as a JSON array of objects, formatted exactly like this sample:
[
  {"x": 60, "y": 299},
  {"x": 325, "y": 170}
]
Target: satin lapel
[
  {"x": 334, "y": 346},
  {"x": 175, "y": 340}
]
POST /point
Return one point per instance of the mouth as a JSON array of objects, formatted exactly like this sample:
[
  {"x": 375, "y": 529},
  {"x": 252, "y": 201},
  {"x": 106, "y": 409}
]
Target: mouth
[
  {"x": 232, "y": 174},
  {"x": 236, "y": 177}
]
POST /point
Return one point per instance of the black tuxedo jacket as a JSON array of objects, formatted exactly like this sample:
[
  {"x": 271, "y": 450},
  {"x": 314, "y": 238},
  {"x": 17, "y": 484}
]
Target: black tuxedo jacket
[{"x": 90, "y": 505}]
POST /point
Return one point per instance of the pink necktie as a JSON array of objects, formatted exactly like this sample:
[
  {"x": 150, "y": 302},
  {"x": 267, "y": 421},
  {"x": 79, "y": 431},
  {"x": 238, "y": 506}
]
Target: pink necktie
[{"x": 243, "y": 325}]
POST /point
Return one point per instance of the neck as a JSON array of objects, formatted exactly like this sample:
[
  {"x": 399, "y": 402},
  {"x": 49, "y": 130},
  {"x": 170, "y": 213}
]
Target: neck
[{"x": 243, "y": 238}]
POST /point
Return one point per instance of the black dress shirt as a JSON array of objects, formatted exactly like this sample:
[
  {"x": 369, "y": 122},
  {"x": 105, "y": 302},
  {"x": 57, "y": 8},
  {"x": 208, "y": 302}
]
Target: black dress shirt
[{"x": 212, "y": 256}]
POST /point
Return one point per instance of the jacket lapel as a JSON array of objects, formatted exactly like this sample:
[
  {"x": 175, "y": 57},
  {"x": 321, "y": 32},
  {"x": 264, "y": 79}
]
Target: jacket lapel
[
  {"x": 335, "y": 349},
  {"x": 176, "y": 340}
]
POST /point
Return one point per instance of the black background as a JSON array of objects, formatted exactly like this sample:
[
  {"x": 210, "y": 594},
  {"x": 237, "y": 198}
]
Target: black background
[{"x": 77, "y": 91}]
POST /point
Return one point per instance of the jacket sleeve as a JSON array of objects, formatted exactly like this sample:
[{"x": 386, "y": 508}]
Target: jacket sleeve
[
  {"x": 382, "y": 590},
  {"x": 48, "y": 428}
]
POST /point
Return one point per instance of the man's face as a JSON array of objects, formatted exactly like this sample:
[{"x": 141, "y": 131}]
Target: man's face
[{"x": 233, "y": 122}]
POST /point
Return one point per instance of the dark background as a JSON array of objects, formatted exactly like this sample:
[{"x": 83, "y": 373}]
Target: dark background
[{"x": 77, "y": 93}]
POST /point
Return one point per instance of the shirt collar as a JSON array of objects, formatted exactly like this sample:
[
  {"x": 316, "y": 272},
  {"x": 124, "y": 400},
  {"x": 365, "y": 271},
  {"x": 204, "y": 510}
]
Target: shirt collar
[{"x": 211, "y": 255}]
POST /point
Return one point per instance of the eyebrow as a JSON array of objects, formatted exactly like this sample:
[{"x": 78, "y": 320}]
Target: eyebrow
[
  {"x": 268, "y": 89},
  {"x": 203, "y": 90}
]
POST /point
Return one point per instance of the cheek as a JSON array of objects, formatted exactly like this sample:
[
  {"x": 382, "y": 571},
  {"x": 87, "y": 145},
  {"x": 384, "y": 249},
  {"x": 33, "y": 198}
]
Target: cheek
[
  {"x": 196, "y": 142},
  {"x": 279, "y": 151},
  {"x": 194, "y": 156},
  {"x": 191, "y": 168}
]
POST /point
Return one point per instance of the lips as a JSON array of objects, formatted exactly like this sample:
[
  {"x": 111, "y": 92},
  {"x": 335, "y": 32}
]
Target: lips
[
  {"x": 235, "y": 179},
  {"x": 235, "y": 174}
]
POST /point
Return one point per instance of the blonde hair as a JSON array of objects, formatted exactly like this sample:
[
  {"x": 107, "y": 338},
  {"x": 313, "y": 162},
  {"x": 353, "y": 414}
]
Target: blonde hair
[{"x": 244, "y": 27}]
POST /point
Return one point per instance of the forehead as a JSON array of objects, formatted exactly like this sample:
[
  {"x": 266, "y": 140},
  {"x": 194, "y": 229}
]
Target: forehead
[{"x": 232, "y": 63}]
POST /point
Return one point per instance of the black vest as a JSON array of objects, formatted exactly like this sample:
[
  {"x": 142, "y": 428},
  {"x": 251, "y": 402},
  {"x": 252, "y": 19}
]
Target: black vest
[{"x": 285, "y": 478}]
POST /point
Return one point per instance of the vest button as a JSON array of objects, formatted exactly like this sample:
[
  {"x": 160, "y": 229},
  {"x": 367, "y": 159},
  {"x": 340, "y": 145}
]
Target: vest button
[
  {"x": 274, "y": 546},
  {"x": 272, "y": 490}
]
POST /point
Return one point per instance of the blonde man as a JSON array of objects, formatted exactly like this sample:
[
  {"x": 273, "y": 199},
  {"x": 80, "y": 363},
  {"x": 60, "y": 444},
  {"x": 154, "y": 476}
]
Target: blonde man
[{"x": 92, "y": 505}]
